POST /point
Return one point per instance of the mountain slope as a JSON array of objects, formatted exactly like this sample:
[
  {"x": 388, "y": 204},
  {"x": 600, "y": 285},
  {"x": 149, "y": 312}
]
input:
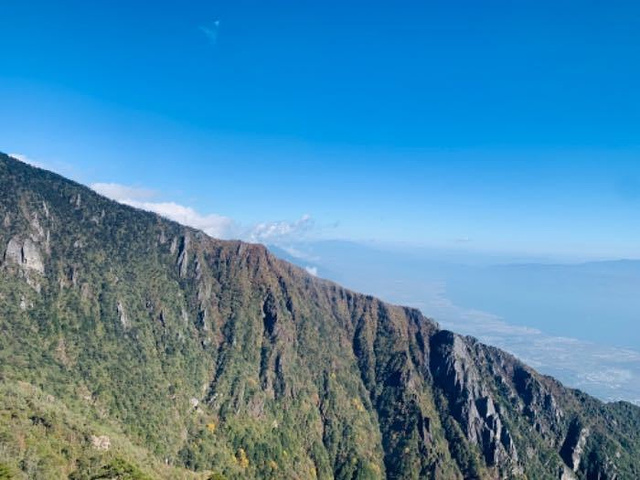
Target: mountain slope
[{"x": 135, "y": 345}]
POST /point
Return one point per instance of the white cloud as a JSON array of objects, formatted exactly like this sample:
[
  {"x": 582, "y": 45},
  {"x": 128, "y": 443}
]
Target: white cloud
[
  {"x": 312, "y": 270},
  {"x": 299, "y": 254},
  {"x": 613, "y": 377},
  {"x": 273, "y": 232},
  {"x": 122, "y": 193},
  {"x": 213, "y": 224}
]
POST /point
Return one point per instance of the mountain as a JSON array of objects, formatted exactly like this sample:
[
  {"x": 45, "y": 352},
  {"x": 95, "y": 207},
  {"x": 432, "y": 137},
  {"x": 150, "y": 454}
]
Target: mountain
[
  {"x": 135, "y": 347},
  {"x": 555, "y": 297},
  {"x": 574, "y": 321}
]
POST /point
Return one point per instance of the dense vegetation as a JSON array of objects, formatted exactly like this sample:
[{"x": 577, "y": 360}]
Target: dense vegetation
[{"x": 134, "y": 347}]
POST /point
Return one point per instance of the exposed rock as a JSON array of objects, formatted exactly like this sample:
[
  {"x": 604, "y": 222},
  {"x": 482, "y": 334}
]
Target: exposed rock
[
  {"x": 76, "y": 200},
  {"x": 470, "y": 400},
  {"x": 47, "y": 243},
  {"x": 122, "y": 314},
  {"x": 567, "y": 474},
  {"x": 13, "y": 253},
  {"x": 26, "y": 255},
  {"x": 100, "y": 442},
  {"x": 198, "y": 267},
  {"x": 73, "y": 275},
  {"x": 36, "y": 228},
  {"x": 183, "y": 256},
  {"x": 31, "y": 257},
  {"x": 537, "y": 403},
  {"x": 202, "y": 320},
  {"x": 574, "y": 444},
  {"x": 34, "y": 284}
]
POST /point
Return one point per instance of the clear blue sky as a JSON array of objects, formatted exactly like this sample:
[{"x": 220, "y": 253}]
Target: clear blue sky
[{"x": 508, "y": 126}]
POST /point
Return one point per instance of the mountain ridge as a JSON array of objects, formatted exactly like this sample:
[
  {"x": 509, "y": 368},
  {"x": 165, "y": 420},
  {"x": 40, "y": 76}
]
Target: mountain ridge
[{"x": 210, "y": 356}]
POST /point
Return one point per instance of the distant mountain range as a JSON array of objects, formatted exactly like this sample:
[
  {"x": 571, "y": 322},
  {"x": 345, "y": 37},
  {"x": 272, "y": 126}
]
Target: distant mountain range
[{"x": 134, "y": 347}]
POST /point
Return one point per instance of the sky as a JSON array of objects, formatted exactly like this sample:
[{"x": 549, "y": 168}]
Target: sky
[{"x": 497, "y": 126}]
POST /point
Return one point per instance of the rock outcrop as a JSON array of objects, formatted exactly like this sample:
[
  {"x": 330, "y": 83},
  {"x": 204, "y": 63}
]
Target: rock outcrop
[
  {"x": 470, "y": 401},
  {"x": 573, "y": 446},
  {"x": 122, "y": 315},
  {"x": 25, "y": 254},
  {"x": 101, "y": 442}
]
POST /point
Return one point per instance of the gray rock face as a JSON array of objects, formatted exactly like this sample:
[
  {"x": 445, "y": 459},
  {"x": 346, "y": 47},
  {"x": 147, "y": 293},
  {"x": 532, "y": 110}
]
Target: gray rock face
[
  {"x": 101, "y": 442},
  {"x": 574, "y": 444},
  {"x": 183, "y": 257},
  {"x": 537, "y": 403},
  {"x": 26, "y": 255},
  {"x": 567, "y": 474},
  {"x": 45, "y": 208},
  {"x": 122, "y": 314},
  {"x": 37, "y": 230},
  {"x": 13, "y": 253},
  {"x": 471, "y": 402},
  {"x": 31, "y": 257}
]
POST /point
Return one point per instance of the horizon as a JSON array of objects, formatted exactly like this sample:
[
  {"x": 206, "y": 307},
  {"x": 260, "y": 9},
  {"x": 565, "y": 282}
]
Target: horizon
[
  {"x": 129, "y": 195},
  {"x": 544, "y": 313},
  {"x": 135, "y": 346},
  {"x": 469, "y": 145}
]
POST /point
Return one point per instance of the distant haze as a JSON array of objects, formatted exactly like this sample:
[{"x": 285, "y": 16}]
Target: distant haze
[{"x": 577, "y": 322}]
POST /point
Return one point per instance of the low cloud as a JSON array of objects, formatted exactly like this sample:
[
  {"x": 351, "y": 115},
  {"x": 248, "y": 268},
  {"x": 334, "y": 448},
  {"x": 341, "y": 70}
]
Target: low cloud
[
  {"x": 298, "y": 253},
  {"x": 213, "y": 224},
  {"x": 312, "y": 270},
  {"x": 273, "y": 232}
]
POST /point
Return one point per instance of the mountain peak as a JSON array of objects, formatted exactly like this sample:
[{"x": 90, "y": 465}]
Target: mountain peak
[{"x": 135, "y": 347}]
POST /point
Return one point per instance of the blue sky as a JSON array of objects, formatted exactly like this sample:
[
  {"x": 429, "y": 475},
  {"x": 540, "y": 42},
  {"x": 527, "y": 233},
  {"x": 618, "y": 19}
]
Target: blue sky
[{"x": 495, "y": 126}]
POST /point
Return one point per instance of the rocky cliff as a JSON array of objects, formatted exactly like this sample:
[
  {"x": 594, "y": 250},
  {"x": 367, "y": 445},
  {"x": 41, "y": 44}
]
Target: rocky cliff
[{"x": 134, "y": 347}]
